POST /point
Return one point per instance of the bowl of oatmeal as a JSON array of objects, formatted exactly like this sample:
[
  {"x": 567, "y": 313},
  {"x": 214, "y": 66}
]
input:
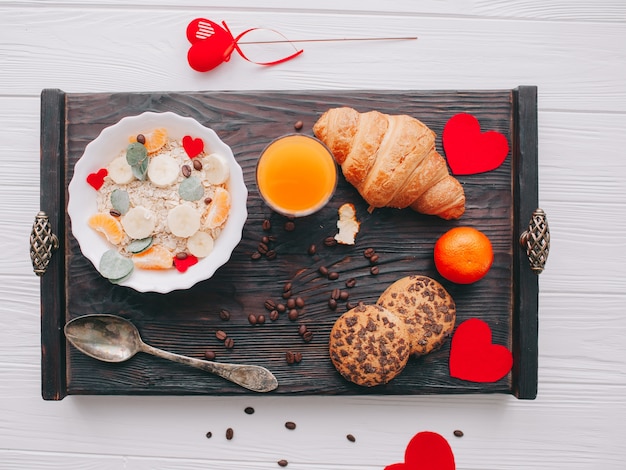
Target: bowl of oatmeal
[{"x": 157, "y": 202}]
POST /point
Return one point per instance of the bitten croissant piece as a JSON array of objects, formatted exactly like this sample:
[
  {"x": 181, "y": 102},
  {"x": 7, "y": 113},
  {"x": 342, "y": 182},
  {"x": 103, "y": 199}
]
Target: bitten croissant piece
[{"x": 392, "y": 161}]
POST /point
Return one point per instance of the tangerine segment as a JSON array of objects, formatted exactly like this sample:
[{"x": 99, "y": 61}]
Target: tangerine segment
[
  {"x": 155, "y": 140},
  {"x": 108, "y": 226},
  {"x": 218, "y": 209},
  {"x": 463, "y": 255},
  {"x": 156, "y": 257}
]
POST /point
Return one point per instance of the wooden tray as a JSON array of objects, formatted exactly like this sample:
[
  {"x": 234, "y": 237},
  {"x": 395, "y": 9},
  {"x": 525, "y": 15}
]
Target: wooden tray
[{"x": 500, "y": 203}]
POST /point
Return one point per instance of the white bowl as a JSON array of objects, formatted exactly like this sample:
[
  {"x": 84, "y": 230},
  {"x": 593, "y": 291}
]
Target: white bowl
[{"x": 82, "y": 199}]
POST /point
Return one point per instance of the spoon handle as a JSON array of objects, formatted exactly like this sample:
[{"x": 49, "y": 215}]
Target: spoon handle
[{"x": 255, "y": 378}]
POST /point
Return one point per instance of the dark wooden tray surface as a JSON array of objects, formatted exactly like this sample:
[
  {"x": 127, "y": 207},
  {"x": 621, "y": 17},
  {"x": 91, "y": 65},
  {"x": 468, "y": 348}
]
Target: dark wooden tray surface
[{"x": 499, "y": 202}]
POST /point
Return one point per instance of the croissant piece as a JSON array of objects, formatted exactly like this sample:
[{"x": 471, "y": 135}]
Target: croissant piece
[{"x": 392, "y": 161}]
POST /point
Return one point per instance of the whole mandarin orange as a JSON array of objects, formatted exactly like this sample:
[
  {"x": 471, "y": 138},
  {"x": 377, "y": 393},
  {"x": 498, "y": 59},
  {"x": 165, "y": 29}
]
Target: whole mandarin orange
[{"x": 463, "y": 255}]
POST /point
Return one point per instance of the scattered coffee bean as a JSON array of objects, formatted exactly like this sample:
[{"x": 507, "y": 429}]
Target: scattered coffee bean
[
  {"x": 230, "y": 433},
  {"x": 344, "y": 295},
  {"x": 302, "y": 329},
  {"x": 248, "y": 410},
  {"x": 290, "y": 226},
  {"x": 290, "y": 357},
  {"x": 224, "y": 314},
  {"x": 368, "y": 252},
  {"x": 335, "y": 294},
  {"x": 293, "y": 314},
  {"x": 252, "y": 319},
  {"x": 300, "y": 302},
  {"x": 307, "y": 336},
  {"x": 115, "y": 213},
  {"x": 332, "y": 303},
  {"x": 458, "y": 433},
  {"x": 333, "y": 276},
  {"x": 290, "y": 425},
  {"x": 181, "y": 255},
  {"x": 283, "y": 463},
  {"x": 209, "y": 355},
  {"x": 256, "y": 255},
  {"x": 265, "y": 239},
  {"x": 374, "y": 259},
  {"x": 287, "y": 286},
  {"x": 271, "y": 254},
  {"x": 282, "y": 308},
  {"x": 186, "y": 169},
  {"x": 141, "y": 139},
  {"x": 221, "y": 335},
  {"x": 312, "y": 250},
  {"x": 323, "y": 270},
  {"x": 229, "y": 343},
  {"x": 267, "y": 225},
  {"x": 298, "y": 125},
  {"x": 297, "y": 356},
  {"x": 197, "y": 164},
  {"x": 350, "y": 283},
  {"x": 330, "y": 241},
  {"x": 350, "y": 305},
  {"x": 287, "y": 294},
  {"x": 351, "y": 438},
  {"x": 291, "y": 303},
  {"x": 274, "y": 315},
  {"x": 262, "y": 248},
  {"x": 270, "y": 305},
  {"x": 260, "y": 319},
  {"x": 208, "y": 200},
  {"x": 374, "y": 270},
  {"x": 209, "y": 435}
]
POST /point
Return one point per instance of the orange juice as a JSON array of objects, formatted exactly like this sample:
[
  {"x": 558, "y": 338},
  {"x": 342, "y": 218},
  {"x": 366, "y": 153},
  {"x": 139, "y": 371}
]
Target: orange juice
[{"x": 296, "y": 175}]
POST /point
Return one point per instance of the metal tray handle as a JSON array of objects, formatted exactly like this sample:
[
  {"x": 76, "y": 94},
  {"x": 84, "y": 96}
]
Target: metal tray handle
[
  {"x": 536, "y": 240},
  {"x": 42, "y": 243}
]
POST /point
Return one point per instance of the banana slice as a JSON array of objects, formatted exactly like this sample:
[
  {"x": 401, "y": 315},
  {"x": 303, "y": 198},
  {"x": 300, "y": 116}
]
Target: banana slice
[
  {"x": 216, "y": 169},
  {"x": 200, "y": 244},
  {"x": 183, "y": 221},
  {"x": 120, "y": 171},
  {"x": 163, "y": 171},
  {"x": 139, "y": 222}
]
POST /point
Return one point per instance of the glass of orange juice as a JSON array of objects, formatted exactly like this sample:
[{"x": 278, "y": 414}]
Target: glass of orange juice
[{"x": 296, "y": 175}]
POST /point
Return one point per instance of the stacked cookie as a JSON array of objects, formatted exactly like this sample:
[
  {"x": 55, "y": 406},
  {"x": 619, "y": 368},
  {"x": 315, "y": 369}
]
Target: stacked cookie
[{"x": 371, "y": 344}]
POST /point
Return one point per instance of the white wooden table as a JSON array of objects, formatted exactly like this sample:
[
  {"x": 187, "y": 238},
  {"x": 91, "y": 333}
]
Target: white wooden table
[{"x": 572, "y": 50}]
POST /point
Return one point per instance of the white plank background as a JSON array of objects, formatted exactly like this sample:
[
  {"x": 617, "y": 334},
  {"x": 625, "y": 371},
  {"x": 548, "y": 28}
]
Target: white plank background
[{"x": 574, "y": 51}]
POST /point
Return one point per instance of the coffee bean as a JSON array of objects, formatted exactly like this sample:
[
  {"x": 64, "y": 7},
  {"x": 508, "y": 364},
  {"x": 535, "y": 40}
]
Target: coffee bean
[
  {"x": 287, "y": 286},
  {"x": 262, "y": 248},
  {"x": 209, "y": 355},
  {"x": 271, "y": 254},
  {"x": 302, "y": 329},
  {"x": 330, "y": 241},
  {"x": 267, "y": 225},
  {"x": 186, "y": 171},
  {"x": 312, "y": 250},
  {"x": 374, "y": 270},
  {"x": 300, "y": 302},
  {"x": 115, "y": 213},
  {"x": 290, "y": 357},
  {"x": 197, "y": 164},
  {"x": 293, "y": 314},
  {"x": 260, "y": 319},
  {"x": 283, "y": 463},
  {"x": 270, "y": 304},
  {"x": 287, "y": 294},
  {"x": 297, "y": 357},
  {"x": 333, "y": 276},
  {"x": 323, "y": 270},
  {"x": 344, "y": 295},
  {"x": 335, "y": 294},
  {"x": 374, "y": 259},
  {"x": 274, "y": 315},
  {"x": 265, "y": 239},
  {"x": 248, "y": 410},
  {"x": 256, "y": 255},
  {"x": 307, "y": 336},
  {"x": 351, "y": 438},
  {"x": 141, "y": 139},
  {"x": 290, "y": 226},
  {"x": 369, "y": 252},
  {"x": 298, "y": 125},
  {"x": 281, "y": 308},
  {"x": 458, "y": 433},
  {"x": 221, "y": 335},
  {"x": 350, "y": 283},
  {"x": 291, "y": 303},
  {"x": 181, "y": 255},
  {"x": 229, "y": 343},
  {"x": 252, "y": 319},
  {"x": 209, "y": 435},
  {"x": 332, "y": 303},
  {"x": 230, "y": 433},
  {"x": 224, "y": 314},
  {"x": 290, "y": 425},
  {"x": 350, "y": 305}
]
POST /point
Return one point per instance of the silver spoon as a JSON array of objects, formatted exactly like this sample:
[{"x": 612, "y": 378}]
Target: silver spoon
[{"x": 111, "y": 338}]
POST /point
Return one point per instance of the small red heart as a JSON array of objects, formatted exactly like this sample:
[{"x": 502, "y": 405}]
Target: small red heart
[
  {"x": 426, "y": 451},
  {"x": 183, "y": 264},
  {"x": 474, "y": 358},
  {"x": 470, "y": 151},
  {"x": 97, "y": 179},
  {"x": 193, "y": 147}
]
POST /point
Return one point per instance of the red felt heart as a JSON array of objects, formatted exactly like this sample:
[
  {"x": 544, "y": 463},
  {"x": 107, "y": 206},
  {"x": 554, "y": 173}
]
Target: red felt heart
[
  {"x": 183, "y": 264},
  {"x": 470, "y": 151},
  {"x": 193, "y": 147},
  {"x": 474, "y": 358},
  {"x": 426, "y": 451},
  {"x": 97, "y": 179}
]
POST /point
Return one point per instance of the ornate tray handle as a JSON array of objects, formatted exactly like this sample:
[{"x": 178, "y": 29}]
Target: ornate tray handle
[
  {"x": 536, "y": 240},
  {"x": 42, "y": 243}
]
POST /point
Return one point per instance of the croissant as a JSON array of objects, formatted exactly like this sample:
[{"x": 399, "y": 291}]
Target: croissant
[{"x": 392, "y": 161}]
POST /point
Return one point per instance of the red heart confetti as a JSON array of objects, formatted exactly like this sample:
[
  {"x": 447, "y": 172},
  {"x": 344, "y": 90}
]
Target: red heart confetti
[
  {"x": 193, "y": 147},
  {"x": 473, "y": 357},
  {"x": 183, "y": 264},
  {"x": 426, "y": 451},
  {"x": 470, "y": 151},
  {"x": 97, "y": 179}
]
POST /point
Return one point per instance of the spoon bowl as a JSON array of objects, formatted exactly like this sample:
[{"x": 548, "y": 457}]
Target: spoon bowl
[{"x": 111, "y": 338}]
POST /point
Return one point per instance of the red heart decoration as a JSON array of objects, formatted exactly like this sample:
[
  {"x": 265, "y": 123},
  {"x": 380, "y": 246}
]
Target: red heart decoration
[
  {"x": 470, "y": 151},
  {"x": 183, "y": 264},
  {"x": 426, "y": 451},
  {"x": 193, "y": 147},
  {"x": 474, "y": 358},
  {"x": 97, "y": 179}
]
